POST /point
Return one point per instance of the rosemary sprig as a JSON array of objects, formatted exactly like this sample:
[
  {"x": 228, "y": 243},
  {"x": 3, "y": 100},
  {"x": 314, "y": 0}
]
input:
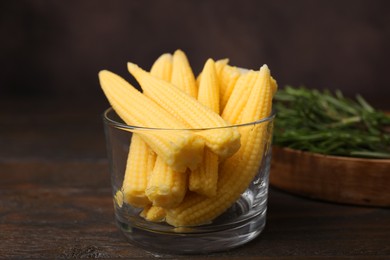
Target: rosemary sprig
[{"x": 329, "y": 123}]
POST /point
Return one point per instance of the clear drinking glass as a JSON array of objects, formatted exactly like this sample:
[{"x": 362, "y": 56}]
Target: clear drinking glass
[{"x": 239, "y": 224}]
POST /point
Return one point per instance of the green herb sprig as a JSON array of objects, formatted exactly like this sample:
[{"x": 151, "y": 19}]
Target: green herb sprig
[{"x": 329, "y": 123}]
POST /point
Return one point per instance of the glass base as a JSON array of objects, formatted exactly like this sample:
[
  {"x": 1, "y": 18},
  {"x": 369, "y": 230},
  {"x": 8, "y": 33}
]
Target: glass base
[{"x": 193, "y": 241}]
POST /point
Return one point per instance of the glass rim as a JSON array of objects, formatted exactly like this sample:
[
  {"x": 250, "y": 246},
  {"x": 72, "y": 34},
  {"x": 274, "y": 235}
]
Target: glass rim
[{"x": 112, "y": 122}]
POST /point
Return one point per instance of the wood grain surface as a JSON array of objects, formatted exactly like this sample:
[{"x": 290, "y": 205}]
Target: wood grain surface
[{"x": 64, "y": 210}]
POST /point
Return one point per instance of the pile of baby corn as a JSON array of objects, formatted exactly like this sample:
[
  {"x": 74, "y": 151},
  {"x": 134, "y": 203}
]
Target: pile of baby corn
[{"x": 188, "y": 178}]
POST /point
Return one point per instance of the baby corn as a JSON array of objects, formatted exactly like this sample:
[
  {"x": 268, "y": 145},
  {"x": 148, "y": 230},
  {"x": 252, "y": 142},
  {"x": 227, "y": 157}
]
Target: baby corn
[
  {"x": 182, "y": 75},
  {"x": 224, "y": 141},
  {"x": 203, "y": 180},
  {"x": 141, "y": 158},
  {"x": 162, "y": 67},
  {"x": 139, "y": 166},
  {"x": 219, "y": 64},
  {"x": 229, "y": 75},
  {"x": 179, "y": 149},
  {"x": 153, "y": 213},
  {"x": 239, "y": 96},
  {"x": 166, "y": 188},
  {"x": 209, "y": 87}
]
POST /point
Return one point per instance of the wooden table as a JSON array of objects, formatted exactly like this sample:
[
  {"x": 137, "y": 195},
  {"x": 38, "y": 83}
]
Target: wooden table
[{"x": 55, "y": 199}]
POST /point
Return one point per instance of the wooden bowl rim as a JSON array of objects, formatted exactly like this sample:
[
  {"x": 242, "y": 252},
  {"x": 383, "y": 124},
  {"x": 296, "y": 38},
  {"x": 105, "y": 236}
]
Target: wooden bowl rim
[{"x": 334, "y": 157}]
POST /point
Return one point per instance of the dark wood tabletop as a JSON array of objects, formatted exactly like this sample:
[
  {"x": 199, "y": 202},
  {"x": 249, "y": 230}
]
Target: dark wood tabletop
[{"x": 55, "y": 199}]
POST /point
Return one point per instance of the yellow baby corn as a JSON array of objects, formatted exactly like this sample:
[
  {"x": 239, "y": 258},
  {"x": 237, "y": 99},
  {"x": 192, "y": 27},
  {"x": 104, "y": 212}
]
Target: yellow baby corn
[
  {"x": 140, "y": 163},
  {"x": 223, "y": 142},
  {"x": 236, "y": 172},
  {"x": 153, "y": 213},
  {"x": 162, "y": 67},
  {"x": 179, "y": 149},
  {"x": 182, "y": 75},
  {"x": 209, "y": 87},
  {"x": 239, "y": 96},
  {"x": 259, "y": 104},
  {"x": 166, "y": 188},
  {"x": 141, "y": 158},
  {"x": 203, "y": 180},
  {"x": 228, "y": 77},
  {"x": 219, "y": 64}
]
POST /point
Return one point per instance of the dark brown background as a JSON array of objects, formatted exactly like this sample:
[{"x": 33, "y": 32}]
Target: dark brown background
[
  {"x": 55, "y": 195},
  {"x": 54, "y": 49}
]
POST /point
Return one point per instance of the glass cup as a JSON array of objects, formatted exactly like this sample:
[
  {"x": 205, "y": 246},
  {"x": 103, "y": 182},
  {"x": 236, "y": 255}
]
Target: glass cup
[{"x": 240, "y": 223}]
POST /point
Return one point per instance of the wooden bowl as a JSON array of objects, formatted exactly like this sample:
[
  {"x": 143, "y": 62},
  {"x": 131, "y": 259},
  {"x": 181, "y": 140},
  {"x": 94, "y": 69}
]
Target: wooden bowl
[{"x": 332, "y": 178}]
